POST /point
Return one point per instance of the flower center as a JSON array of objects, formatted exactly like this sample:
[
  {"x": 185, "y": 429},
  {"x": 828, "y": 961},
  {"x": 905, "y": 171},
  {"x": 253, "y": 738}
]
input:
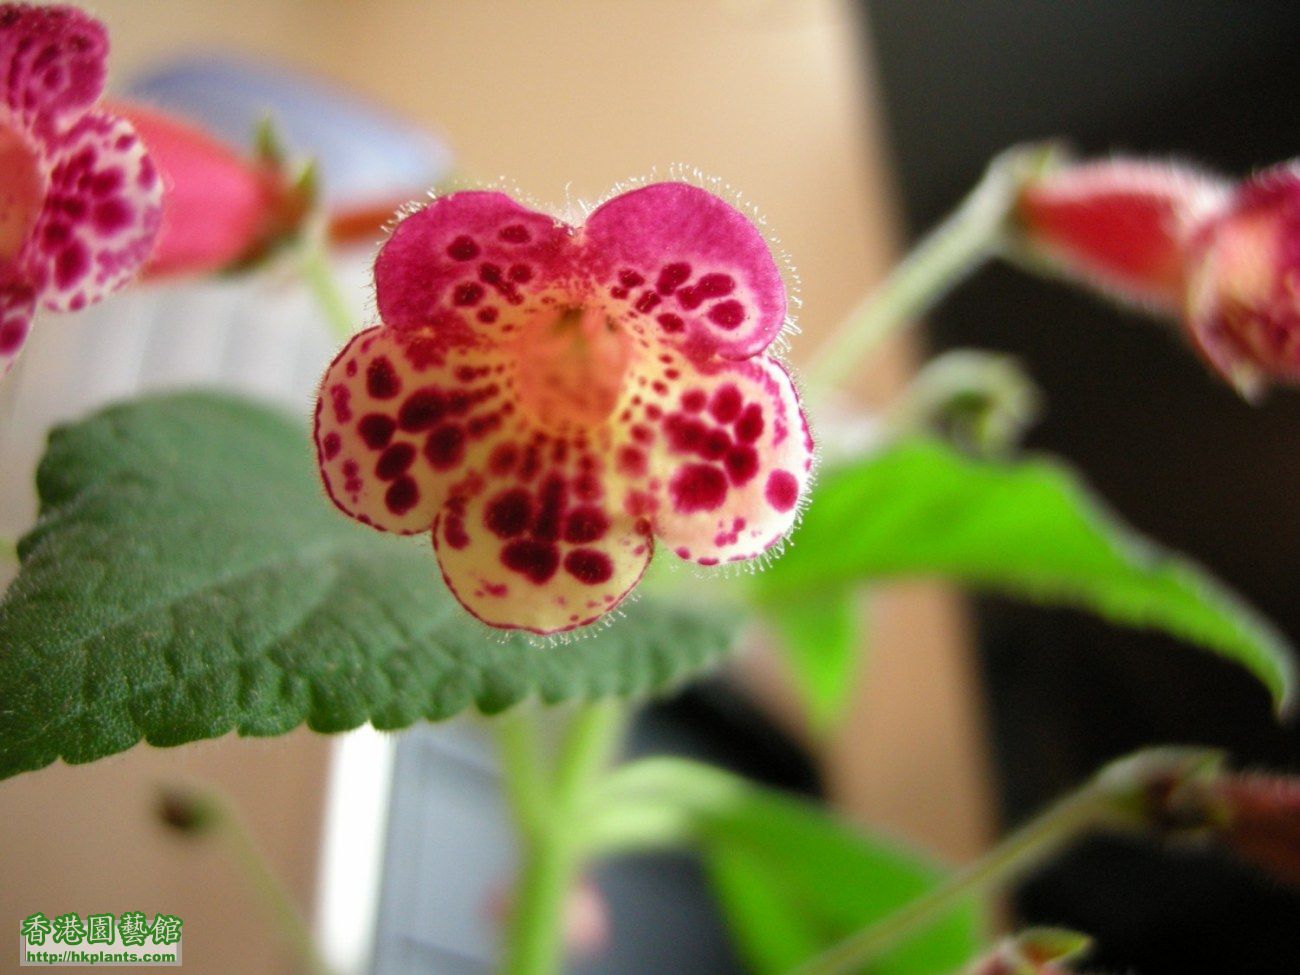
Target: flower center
[
  {"x": 22, "y": 190},
  {"x": 569, "y": 370}
]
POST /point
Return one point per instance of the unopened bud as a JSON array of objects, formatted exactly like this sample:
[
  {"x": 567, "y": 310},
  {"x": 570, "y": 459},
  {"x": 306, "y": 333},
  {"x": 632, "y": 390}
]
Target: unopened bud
[
  {"x": 222, "y": 211},
  {"x": 1122, "y": 226},
  {"x": 187, "y": 811},
  {"x": 978, "y": 401}
]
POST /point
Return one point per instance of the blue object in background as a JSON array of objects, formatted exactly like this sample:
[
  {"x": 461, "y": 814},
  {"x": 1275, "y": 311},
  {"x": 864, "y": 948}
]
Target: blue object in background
[{"x": 365, "y": 153}]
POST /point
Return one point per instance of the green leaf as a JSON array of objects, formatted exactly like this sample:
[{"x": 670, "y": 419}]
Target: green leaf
[
  {"x": 792, "y": 879},
  {"x": 1025, "y": 528},
  {"x": 188, "y": 578},
  {"x": 821, "y": 640}
]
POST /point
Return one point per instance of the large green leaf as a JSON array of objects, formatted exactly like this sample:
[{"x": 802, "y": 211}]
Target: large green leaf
[
  {"x": 1025, "y": 528},
  {"x": 792, "y": 879},
  {"x": 188, "y": 577}
]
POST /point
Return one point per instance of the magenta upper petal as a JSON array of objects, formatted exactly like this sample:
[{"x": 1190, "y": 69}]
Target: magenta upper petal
[
  {"x": 101, "y": 215},
  {"x": 474, "y": 260},
  {"x": 688, "y": 268},
  {"x": 52, "y": 63}
]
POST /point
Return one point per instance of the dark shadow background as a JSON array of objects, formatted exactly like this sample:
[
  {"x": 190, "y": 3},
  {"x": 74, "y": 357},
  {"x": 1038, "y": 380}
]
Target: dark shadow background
[{"x": 1169, "y": 447}]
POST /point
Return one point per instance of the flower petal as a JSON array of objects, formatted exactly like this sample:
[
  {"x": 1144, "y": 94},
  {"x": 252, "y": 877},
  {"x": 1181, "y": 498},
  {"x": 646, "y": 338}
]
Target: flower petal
[
  {"x": 404, "y": 420},
  {"x": 474, "y": 260},
  {"x": 101, "y": 215},
  {"x": 718, "y": 454},
  {"x": 543, "y": 554},
  {"x": 52, "y": 62},
  {"x": 687, "y": 267},
  {"x": 17, "y": 305}
]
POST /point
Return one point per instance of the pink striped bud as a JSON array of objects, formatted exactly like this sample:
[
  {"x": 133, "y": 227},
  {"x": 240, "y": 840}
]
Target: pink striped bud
[
  {"x": 1243, "y": 296},
  {"x": 221, "y": 210}
]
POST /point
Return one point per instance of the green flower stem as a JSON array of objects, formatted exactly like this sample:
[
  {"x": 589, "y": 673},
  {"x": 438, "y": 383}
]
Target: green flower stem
[
  {"x": 950, "y": 252},
  {"x": 284, "y": 912},
  {"x": 1118, "y": 797},
  {"x": 1028, "y": 846},
  {"x": 546, "y": 810},
  {"x": 317, "y": 272}
]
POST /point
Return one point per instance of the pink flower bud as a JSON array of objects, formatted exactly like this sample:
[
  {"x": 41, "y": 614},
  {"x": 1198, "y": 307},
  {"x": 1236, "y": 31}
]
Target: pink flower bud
[
  {"x": 1243, "y": 306},
  {"x": 1121, "y": 225},
  {"x": 220, "y": 209}
]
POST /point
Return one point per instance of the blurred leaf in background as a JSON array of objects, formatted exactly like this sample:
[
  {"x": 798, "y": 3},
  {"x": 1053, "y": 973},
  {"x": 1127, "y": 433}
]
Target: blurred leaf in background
[{"x": 1024, "y": 528}]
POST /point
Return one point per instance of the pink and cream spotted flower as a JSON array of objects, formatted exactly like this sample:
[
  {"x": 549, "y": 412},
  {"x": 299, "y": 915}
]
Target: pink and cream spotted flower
[
  {"x": 549, "y": 399},
  {"x": 80, "y": 201}
]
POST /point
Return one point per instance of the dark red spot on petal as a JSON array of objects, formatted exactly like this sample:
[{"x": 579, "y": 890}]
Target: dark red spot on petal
[
  {"x": 727, "y": 314},
  {"x": 537, "y": 561},
  {"x": 402, "y": 495},
  {"x": 445, "y": 446},
  {"x": 553, "y": 499},
  {"x": 467, "y": 293},
  {"x": 685, "y": 434},
  {"x": 715, "y": 285},
  {"x": 693, "y": 400},
  {"x": 698, "y": 487},
  {"x": 782, "y": 490},
  {"x": 585, "y": 524},
  {"x": 331, "y": 446},
  {"x": 376, "y": 430},
  {"x": 631, "y": 462},
  {"x": 422, "y": 409},
  {"x": 503, "y": 459},
  {"x": 589, "y": 566},
  {"x": 672, "y": 277},
  {"x": 742, "y": 464},
  {"x": 394, "y": 461},
  {"x": 509, "y": 513},
  {"x": 726, "y": 404},
  {"x": 750, "y": 425},
  {"x": 381, "y": 379},
  {"x": 670, "y": 322},
  {"x": 463, "y": 249},
  {"x": 516, "y": 233}
]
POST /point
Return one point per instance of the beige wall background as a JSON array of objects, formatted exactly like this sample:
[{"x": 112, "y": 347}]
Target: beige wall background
[{"x": 565, "y": 99}]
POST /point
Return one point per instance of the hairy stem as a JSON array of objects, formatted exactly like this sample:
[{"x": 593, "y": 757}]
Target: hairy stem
[
  {"x": 546, "y": 811},
  {"x": 942, "y": 259},
  {"x": 317, "y": 272}
]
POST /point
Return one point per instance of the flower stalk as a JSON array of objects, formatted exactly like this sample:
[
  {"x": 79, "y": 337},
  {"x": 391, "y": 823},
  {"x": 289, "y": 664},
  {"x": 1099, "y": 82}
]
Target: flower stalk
[
  {"x": 208, "y": 814},
  {"x": 546, "y": 802},
  {"x": 971, "y": 235},
  {"x": 1121, "y": 796}
]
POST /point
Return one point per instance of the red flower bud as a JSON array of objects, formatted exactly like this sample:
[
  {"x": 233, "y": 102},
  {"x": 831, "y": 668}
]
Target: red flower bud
[
  {"x": 1120, "y": 225},
  {"x": 220, "y": 209},
  {"x": 1224, "y": 259},
  {"x": 1243, "y": 302}
]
